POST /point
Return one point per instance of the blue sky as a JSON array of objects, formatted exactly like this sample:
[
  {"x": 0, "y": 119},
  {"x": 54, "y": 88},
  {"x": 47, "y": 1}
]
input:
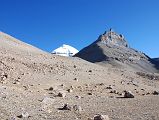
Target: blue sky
[{"x": 47, "y": 24}]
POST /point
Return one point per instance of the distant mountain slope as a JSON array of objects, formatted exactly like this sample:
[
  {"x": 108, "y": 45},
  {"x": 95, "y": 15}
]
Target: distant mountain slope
[
  {"x": 156, "y": 62},
  {"x": 112, "y": 48},
  {"x": 9, "y": 43},
  {"x": 156, "y": 59}
]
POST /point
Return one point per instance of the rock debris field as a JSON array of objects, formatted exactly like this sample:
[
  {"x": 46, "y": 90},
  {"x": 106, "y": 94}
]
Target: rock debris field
[{"x": 36, "y": 85}]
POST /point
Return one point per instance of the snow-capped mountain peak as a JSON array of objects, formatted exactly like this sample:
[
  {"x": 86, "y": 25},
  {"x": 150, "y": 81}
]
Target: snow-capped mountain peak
[{"x": 65, "y": 50}]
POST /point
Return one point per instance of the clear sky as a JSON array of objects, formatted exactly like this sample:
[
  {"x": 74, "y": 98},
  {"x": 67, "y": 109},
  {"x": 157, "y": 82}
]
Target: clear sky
[{"x": 47, "y": 24}]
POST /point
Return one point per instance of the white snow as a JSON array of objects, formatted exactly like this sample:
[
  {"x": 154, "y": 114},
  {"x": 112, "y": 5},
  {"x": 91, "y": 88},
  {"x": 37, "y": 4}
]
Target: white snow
[{"x": 65, "y": 50}]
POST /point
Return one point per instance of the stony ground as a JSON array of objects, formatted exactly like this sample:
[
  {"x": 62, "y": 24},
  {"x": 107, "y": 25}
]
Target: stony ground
[{"x": 35, "y": 85}]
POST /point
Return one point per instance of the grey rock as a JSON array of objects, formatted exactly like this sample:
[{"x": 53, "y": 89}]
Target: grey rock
[
  {"x": 51, "y": 88},
  {"x": 77, "y": 108},
  {"x": 62, "y": 94},
  {"x": 109, "y": 87},
  {"x": 75, "y": 79},
  {"x": 4, "y": 76},
  {"x": 70, "y": 90},
  {"x": 3, "y": 95},
  {"x": 128, "y": 94},
  {"x": 101, "y": 117},
  {"x": 90, "y": 93},
  {"x": 66, "y": 107},
  {"x": 78, "y": 97},
  {"x": 24, "y": 115},
  {"x": 155, "y": 93}
]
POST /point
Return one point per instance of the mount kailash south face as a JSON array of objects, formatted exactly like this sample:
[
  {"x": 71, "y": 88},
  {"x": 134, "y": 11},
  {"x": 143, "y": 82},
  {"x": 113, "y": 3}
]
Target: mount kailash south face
[
  {"x": 112, "y": 49},
  {"x": 65, "y": 50}
]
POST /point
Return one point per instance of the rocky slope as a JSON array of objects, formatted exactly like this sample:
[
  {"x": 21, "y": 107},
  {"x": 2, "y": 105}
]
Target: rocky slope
[
  {"x": 36, "y": 85},
  {"x": 112, "y": 49}
]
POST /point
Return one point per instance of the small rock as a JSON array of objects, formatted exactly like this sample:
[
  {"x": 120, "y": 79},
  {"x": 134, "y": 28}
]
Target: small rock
[
  {"x": 75, "y": 79},
  {"x": 90, "y": 71},
  {"x": 113, "y": 91},
  {"x": 101, "y": 84},
  {"x": 79, "y": 87},
  {"x": 101, "y": 117},
  {"x": 24, "y": 115},
  {"x": 3, "y": 95},
  {"x": 111, "y": 97},
  {"x": 135, "y": 83},
  {"x": 70, "y": 90},
  {"x": 51, "y": 93},
  {"x": 4, "y": 76},
  {"x": 90, "y": 94},
  {"x": 78, "y": 97},
  {"x": 128, "y": 94},
  {"x": 62, "y": 94},
  {"x": 77, "y": 108},
  {"x": 137, "y": 91},
  {"x": 155, "y": 93},
  {"x": 109, "y": 87},
  {"x": 147, "y": 93},
  {"x": 120, "y": 94},
  {"x": 66, "y": 107},
  {"x": 89, "y": 119},
  {"x": 20, "y": 116},
  {"x": 72, "y": 87},
  {"x": 51, "y": 88},
  {"x": 26, "y": 87},
  {"x": 16, "y": 82}
]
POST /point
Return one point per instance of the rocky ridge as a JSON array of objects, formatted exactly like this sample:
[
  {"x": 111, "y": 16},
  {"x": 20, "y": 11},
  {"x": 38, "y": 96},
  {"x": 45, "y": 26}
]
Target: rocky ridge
[{"x": 112, "y": 48}]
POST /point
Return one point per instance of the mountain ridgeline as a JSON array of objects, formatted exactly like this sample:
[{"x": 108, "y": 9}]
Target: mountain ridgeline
[{"x": 112, "y": 49}]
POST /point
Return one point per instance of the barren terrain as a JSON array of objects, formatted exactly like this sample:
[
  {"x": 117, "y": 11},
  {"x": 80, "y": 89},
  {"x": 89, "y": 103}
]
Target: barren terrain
[{"x": 35, "y": 85}]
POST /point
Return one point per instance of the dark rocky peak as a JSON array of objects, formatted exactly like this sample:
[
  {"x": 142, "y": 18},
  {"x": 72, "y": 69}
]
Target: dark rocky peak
[
  {"x": 112, "y": 48},
  {"x": 112, "y": 38}
]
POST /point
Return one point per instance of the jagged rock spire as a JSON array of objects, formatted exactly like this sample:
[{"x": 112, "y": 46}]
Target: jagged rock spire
[{"x": 112, "y": 38}]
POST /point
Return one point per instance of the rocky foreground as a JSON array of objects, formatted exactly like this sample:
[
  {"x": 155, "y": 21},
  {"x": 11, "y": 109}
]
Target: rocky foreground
[{"x": 35, "y": 85}]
